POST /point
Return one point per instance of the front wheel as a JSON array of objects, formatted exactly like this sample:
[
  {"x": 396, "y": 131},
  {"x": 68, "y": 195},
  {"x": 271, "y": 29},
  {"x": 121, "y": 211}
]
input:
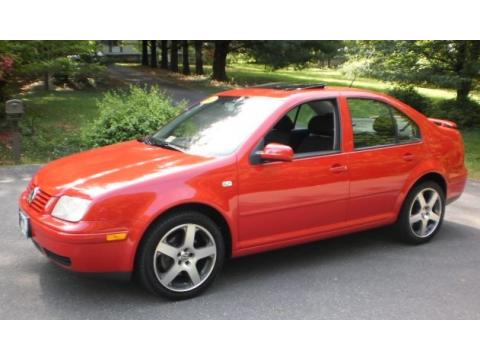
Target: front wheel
[
  {"x": 181, "y": 255},
  {"x": 422, "y": 213}
]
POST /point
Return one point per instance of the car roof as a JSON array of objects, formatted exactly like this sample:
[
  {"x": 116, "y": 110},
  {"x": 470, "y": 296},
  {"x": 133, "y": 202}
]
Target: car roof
[{"x": 284, "y": 90}]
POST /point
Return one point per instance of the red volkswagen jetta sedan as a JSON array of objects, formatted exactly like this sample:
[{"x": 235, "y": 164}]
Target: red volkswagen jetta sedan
[{"x": 245, "y": 171}]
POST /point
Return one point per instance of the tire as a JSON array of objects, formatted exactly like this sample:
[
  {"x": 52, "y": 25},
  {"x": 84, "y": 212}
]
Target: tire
[
  {"x": 181, "y": 255},
  {"x": 419, "y": 221}
]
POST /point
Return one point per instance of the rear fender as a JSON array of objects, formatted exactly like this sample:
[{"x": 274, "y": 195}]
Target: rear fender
[{"x": 430, "y": 166}]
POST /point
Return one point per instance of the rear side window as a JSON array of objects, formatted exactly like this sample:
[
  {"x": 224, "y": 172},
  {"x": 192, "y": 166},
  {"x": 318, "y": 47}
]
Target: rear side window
[
  {"x": 407, "y": 129},
  {"x": 377, "y": 124}
]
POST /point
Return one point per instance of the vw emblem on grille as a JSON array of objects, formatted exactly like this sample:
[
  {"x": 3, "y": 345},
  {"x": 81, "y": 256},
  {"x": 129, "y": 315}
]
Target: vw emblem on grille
[{"x": 33, "y": 194}]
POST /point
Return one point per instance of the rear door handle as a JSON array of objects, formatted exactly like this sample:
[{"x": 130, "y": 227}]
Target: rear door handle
[
  {"x": 338, "y": 168},
  {"x": 408, "y": 157}
]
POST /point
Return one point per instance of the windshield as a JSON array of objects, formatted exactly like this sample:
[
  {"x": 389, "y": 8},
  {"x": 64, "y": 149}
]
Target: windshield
[{"x": 217, "y": 126}]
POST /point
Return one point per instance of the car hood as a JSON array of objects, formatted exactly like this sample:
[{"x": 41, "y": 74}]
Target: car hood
[{"x": 111, "y": 167}]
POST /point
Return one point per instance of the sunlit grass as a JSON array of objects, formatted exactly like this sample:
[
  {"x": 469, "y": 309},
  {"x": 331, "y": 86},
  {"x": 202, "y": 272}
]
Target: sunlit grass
[
  {"x": 472, "y": 149},
  {"x": 250, "y": 73}
]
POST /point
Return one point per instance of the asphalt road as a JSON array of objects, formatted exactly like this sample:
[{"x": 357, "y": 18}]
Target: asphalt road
[
  {"x": 177, "y": 92},
  {"x": 362, "y": 276}
]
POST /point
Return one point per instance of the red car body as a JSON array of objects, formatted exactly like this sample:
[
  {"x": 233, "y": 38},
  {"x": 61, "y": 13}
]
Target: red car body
[{"x": 267, "y": 206}]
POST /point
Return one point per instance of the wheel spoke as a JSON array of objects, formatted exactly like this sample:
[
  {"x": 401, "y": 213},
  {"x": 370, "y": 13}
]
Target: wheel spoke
[
  {"x": 204, "y": 252},
  {"x": 435, "y": 217},
  {"x": 421, "y": 200},
  {"x": 423, "y": 227},
  {"x": 193, "y": 274},
  {"x": 190, "y": 231},
  {"x": 433, "y": 200},
  {"x": 170, "y": 275},
  {"x": 415, "y": 218},
  {"x": 166, "y": 249}
]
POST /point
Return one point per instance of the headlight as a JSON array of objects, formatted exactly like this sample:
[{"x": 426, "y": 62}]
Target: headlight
[{"x": 70, "y": 208}]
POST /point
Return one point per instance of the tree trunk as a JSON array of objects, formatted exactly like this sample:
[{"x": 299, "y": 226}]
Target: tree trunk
[
  {"x": 464, "y": 90},
  {"x": 198, "y": 57},
  {"x": 46, "y": 80},
  {"x": 153, "y": 54},
  {"x": 468, "y": 55},
  {"x": 220, "y": 60},
  {"x": 164, "y": 64},
  {"x": 145, "y": 52},
  {"x": 174, "y": 55},
  {"x": 186, "y": 63}
]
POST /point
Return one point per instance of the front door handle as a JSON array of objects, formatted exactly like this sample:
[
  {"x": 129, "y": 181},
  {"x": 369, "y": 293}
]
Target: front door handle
[
  {"x": 338, "y": 168},
  {"x": 408, "y": 157}
]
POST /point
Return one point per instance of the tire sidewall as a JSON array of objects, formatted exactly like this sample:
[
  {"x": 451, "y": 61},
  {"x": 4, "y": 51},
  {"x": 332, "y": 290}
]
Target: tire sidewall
[{"x": 145, "y": 268}]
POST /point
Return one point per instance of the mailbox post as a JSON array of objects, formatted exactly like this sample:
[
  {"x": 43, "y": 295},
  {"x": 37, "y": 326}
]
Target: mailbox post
[{"x": 15, "y": 112}]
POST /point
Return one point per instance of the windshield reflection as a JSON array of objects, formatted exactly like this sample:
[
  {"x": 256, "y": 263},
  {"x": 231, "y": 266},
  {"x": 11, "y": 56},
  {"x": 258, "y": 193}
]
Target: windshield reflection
[{"x": 218, "y": 125}]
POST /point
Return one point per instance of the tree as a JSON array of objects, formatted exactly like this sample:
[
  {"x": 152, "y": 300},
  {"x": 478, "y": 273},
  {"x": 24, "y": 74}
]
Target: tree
[
  {"x": 145, "y": 52},
  {"x": 451, "y": 64},
  {"x": 174, "y": 55},
  {"x": 164, "y": 64},
  {"x": 153, "y": 54},
  {"x": 44, "y": 57},
  {"x": 283, "y": 53},
  {"x": 220, "y": 53},
  {"x": 186, "y": 63},
  {"x": 198, "y": 57}
]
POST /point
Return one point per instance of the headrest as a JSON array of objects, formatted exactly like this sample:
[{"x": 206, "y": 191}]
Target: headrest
[
  {"x": 384, "y": 126},
  {"x": 285, "y": 124},
  {"x": 321, "y": 124}
]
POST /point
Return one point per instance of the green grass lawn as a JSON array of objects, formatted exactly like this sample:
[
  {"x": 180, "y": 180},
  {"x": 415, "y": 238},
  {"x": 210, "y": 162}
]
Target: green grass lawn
[
  {"x": 249, "y": 73},
  {"x": 472, "y": 149},
  {"x": 59, "y": 118}
]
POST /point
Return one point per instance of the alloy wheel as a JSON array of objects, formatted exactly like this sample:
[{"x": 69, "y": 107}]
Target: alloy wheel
[
  {"x": 425, "y": 212},
  {"x": 184, "y": 257}
]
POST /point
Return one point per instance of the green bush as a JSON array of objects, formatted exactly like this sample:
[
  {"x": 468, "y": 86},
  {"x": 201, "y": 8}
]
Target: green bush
[
  {"x": 412, "y": 97},
  {"x": 76, "y": 74},
  {"x": 464, "y": 113},
  {"x": 125, "y": 115}
]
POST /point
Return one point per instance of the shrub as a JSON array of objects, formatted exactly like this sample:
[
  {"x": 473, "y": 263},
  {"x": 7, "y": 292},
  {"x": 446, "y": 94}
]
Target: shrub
[
  {"x": 125, "y": 115},
  {"x": 464, "y": 113},
  {"x": 411, "y": 97},
  {"x": 77, "y": 74}
]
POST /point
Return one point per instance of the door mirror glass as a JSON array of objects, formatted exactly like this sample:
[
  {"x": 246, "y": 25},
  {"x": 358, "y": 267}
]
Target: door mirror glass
[{"x": 276, "y": 152}]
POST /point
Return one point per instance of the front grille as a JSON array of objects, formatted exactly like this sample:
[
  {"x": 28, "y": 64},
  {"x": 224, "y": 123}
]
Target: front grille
[{"x": 41, "y": 199}]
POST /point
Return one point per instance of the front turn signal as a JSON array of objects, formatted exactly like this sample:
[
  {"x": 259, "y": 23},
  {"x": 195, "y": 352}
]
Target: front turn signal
[{"x": 117, "y": 236}]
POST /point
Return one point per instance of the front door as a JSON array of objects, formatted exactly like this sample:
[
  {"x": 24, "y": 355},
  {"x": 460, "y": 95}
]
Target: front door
[{"x": 301, "y": 199}]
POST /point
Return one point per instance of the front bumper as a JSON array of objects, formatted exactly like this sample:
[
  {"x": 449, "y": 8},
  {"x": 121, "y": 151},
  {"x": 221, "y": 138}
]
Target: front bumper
[{"x": 80, "y": 246}]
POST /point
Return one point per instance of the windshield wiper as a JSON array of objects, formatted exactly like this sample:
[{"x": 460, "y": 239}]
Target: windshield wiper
[{"x": 149, "y": 140}]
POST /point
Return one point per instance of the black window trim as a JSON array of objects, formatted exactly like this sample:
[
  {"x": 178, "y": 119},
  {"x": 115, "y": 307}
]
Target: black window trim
[
  {"x": 255, "y": 158},
  {"x": 390, "y": 106}
]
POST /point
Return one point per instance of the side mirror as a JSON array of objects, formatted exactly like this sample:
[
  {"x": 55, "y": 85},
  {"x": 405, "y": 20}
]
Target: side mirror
[{"x": 276, "y": 152}]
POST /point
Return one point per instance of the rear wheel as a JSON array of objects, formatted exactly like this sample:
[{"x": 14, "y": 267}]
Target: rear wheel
[
  {"x": 422, "y": 213},
  {"x": 181, "y": 255}
]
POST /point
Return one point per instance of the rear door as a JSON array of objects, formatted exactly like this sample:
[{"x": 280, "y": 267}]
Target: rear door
[{"x": 386, "y": 147}]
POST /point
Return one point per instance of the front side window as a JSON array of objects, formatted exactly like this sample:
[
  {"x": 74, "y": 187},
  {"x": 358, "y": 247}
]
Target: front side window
[
  {"x": 309, "y": 128},
  {"x": 218, "y": 125},
  {"x": 377, "y": 124}
]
